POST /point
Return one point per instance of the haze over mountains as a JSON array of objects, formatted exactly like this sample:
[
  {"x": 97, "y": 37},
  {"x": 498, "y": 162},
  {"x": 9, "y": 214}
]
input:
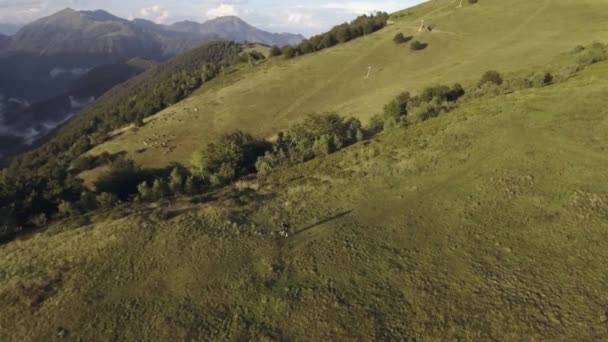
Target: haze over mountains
[{"x": 45, "y": 60}]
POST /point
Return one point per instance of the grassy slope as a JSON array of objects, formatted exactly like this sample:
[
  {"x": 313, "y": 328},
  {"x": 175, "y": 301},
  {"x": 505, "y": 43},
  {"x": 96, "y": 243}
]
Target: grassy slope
[
  {"x": 495, "y": 34},
  {"x": 486, "y": 223}
]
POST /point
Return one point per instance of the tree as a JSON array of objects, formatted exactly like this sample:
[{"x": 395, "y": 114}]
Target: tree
[
  {"x": 107, "y": 200},
  {"x": 394, "y": 110},
  {"x": 160, "y": 188},
  {"x": 343, "y": 34},
  {"x": 8, "y": 225},
  {"x": 88, "y": 201},
  {"x": 288, "y": 51},
  {"x": 360, "y": 135},
  {"x": 306, "y": 47},
  {"x": 232, "y": 155},
  {"x": 399, "y": 38},
  {"x": 176, "y": 181},
  {"x": 322, "y": 146},
  {"x": 490, "y": 77},
  {"x": 67, "y": 209},
  {"x": 191, "y": 188},
  {"x": 144, "y": 190},
  {"x": 328, "y": 40},
  {"x": 274, "y": 51},
  {"x": 122, "y": 179},
  {"x": 417, "y": 45}
]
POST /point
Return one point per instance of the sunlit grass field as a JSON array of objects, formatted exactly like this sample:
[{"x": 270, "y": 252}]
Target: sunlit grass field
[
  {"x": 507, "y": 36},
  {"x": 487, "y": 223}
]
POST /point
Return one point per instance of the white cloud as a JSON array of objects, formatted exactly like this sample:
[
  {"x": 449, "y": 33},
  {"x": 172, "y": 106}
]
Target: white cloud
[
  {"x": 155, "y": 13},
  {"x": 363, "y": 7},
  {"x": 298, "y": 17},
  {"x": 222, "y": 10}
]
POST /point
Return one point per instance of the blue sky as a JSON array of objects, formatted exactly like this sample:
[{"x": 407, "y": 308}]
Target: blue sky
[{"x": 298, "y": 16}]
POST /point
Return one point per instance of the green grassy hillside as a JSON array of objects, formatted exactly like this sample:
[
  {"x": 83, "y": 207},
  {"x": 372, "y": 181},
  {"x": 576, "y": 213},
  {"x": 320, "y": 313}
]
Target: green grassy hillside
[
  {"x": 487, "y": 223},
  {"x": 493, "y": 34}
]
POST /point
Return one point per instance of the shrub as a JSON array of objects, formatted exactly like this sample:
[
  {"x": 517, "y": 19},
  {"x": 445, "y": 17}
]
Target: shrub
[
  {"x": 417, "y": 45},
  {"x": 323, "y": 146},
  {"x": 395, "y": 109},
  {"x": 399, "y": 38},
  {"x": 265, "y": 164},
  {"x": 328, "y": 40},
  {"x": 88, "y": 201},
  {"x": 8, "y": 226},
  {"x": 176, "y": 181},
  {"x": 567, "y": 72},
  {"x": 519, "y": 83},
  {"x": 234, "y": 154},
  {"x": 360, "y": 136},
  {"x": 595, "y": 54},
  {"x": 145, "y": 191},
  {"x": 376, "y": 124},
  {"x": 288, "y": 51},
  {"x": 160, "y": 188},
  {"x": 122, "y": 179},
  {"x": 161, "y": 214},
  {"x": 490, "y": 77},
  {"x": 578, "y": 48},
  {"x": 275, "y": 51},
  {"x": 425, "y": 111},
  {"x": 472, "y": 2},
  {"x": 40, "y": 220},
  {"x": 191, "y": 187},
  {"x": 83, "y": 163},
  {"x": 541, "y": 79},
  {"x": 107, "y": 200},
  {"x": 67, "y": 209}
]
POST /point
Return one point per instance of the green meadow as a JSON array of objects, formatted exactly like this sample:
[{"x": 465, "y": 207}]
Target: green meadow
[{"x": 487, "y": 223}]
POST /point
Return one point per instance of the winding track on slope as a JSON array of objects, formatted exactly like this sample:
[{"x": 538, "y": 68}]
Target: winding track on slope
[{"x": 288, "y": 110}]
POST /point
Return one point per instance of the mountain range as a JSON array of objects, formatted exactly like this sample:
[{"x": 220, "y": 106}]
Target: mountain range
[{"x": 45, "y": 59}]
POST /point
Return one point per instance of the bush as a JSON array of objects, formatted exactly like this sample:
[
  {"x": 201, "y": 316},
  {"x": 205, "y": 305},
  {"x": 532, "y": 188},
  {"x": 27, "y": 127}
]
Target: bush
[
  {"x": 288, "y": 51},
  {"x": 67, "y": 209},
  {"x": 160, "y": 188},
  {"x": 400, "y": 38},
  {"x": 83, "y": 163},
  {"x": 88, "y": 201},
  {"x": 541, "y": 79},
  {"x": 417, "y": 45},
  {"x": 233, "y": 155},
  {"x": 472, "y": 2},
  {"x": 567, "y": 72},
  {"x": 191, "y": 187},
  {"x": 176, "y": 181},
  {"x": 122, "y": 179},
  {"x": 274, "y": 51},
  {"x": 145, "y": 191},
  {"x": 107, "y": 200},
  {"x": 595, "y": 54},
  {"x": 490, "y": 77},
  {"x": 8, "y": 226},
  {"x": 40, "y": 220}
]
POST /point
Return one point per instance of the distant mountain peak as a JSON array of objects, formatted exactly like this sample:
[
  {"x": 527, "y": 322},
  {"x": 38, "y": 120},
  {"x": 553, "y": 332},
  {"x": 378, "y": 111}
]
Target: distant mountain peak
[{"x": 67, "y": 10}]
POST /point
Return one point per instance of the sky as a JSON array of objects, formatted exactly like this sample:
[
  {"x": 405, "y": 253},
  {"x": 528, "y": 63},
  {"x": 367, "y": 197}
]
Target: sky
[{"x": 298, "y": 16}]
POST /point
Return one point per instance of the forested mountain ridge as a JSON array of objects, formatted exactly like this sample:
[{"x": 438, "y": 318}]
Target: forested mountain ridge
[{"x": 41, "y": 64}]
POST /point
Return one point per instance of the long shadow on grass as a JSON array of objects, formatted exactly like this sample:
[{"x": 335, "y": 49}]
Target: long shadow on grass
[{"x": 329, "y": 219}]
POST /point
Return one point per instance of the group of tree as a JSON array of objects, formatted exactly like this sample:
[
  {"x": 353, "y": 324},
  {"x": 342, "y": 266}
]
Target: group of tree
[
  {"x": 362, "y": 25},
  {"x": 406, "y": 109},
  {"x": 317, "y": 136},
  {"x": 35, "y": 183},
  {"x": 41, "y": 184}
]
